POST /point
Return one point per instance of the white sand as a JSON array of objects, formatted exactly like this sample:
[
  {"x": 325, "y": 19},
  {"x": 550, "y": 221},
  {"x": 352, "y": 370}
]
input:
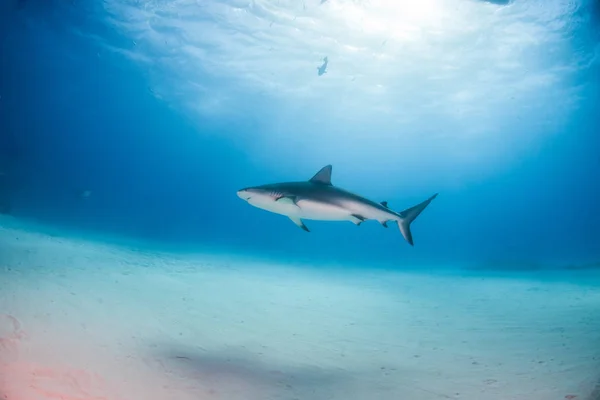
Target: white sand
[{"x": 81, "y": 321}]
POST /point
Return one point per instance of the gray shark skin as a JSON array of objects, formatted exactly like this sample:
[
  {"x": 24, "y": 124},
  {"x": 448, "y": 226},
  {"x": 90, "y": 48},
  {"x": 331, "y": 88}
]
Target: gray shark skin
[{"x": 318, "y": 199}]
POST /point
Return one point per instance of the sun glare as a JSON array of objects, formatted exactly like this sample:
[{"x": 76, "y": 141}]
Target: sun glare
[
  {"x": 393, "y": 18},
  {"x": 456, "y": 73}
]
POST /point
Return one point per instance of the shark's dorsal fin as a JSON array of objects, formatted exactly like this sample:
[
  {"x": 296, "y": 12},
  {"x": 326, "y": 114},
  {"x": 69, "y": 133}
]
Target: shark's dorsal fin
[
  {"x": 323, "y": 176},
  {"x": 385, "y": 204}
]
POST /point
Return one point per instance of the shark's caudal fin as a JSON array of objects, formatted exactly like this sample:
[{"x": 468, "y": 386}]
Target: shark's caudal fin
[{"x": 409, "y": 215}]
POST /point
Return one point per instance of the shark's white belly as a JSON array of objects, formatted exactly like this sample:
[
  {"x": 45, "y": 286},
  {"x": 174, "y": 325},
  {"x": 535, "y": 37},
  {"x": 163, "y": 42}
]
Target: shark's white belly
[
  {"x": 321, "y": 211},
  {"x": 305, "y": 209}
]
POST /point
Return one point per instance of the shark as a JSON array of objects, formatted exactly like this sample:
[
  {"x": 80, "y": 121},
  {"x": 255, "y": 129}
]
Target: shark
[{"x": 318, "y": 199}]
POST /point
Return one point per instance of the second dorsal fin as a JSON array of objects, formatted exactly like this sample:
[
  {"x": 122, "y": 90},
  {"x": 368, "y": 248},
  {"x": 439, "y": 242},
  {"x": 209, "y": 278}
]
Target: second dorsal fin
[
  {"x": 385, "y": 204},
  {"x": 323, "y": 176}
]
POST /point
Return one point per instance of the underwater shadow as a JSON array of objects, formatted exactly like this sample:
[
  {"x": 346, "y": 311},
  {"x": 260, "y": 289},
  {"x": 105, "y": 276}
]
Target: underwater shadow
[
  {"x": 595, "y": 395},
  {"x": 223, "y": 371}
]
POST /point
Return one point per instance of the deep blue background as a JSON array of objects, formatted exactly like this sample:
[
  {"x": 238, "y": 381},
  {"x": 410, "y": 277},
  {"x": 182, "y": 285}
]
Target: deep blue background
[{"x": 79, "y": 118}]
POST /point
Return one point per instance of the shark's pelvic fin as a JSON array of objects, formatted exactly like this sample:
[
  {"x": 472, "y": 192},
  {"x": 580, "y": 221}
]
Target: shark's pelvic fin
[
  {"x": 299, "y": 222},
  {"x": 409, "y": 215},
  {"x": 323, "y": 176},
  {"x": 357, "y": 219}
]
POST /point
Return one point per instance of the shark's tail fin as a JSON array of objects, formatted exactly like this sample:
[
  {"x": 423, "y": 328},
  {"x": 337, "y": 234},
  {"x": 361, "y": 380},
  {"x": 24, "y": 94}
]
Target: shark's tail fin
[{"x": 409, "y": 215}]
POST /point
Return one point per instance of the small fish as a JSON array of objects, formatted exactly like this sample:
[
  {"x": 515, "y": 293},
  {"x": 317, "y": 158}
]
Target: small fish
[
  {"x": 318, "y": 199},
  {"x": 323, "y": 68}
]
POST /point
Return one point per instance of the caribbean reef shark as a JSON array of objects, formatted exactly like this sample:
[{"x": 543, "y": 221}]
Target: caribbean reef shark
[{"x": 318, "y": 199}]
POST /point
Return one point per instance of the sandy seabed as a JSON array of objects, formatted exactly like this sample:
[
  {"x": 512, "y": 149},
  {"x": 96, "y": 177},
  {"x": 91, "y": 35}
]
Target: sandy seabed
[{"x": 81, "y": 320}]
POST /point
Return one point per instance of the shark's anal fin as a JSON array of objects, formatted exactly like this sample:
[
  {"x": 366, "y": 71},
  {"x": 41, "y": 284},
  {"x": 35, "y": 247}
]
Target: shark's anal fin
[
  {"x": 357, "y": 219},
  {"x": 299, "y": 222},
  {"x": 384, "y": 224}
]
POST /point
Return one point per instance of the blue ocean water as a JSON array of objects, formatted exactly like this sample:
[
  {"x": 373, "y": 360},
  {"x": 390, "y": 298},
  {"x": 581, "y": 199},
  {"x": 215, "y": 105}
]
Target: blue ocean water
[
  {"x": 163, "y": 109},
  {"x": 137, "y": 121}
]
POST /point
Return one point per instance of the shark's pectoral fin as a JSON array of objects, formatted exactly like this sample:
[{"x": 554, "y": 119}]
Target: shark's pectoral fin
[
  {"x": 299, "y": 222},
  {"x": 287, "y": 200},
  {"x": 357, "y": 219}
]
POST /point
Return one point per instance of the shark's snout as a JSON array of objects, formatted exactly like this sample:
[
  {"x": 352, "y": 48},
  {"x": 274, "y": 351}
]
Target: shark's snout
[{"x": 244, "y": 194}]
